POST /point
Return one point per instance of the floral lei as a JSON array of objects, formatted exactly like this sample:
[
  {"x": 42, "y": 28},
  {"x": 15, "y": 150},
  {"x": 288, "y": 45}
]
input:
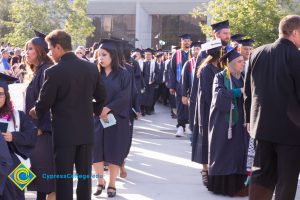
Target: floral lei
[{"x": 7, "y": 115}]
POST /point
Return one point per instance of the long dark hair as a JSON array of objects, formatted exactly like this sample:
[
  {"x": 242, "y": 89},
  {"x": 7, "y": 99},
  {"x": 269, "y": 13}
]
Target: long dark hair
[
  {"x": 7, "y": 108},
  {"x": 42, "y": 56},
  {"x": 115, "y": 61}
]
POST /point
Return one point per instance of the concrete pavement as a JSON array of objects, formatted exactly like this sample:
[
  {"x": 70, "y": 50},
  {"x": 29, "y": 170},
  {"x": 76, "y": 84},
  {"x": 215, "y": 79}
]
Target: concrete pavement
[{"x": 159, "y": 166}]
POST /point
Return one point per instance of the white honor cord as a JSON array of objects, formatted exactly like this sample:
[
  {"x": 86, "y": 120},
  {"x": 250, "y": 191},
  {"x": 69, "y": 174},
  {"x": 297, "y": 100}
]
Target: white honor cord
[{"x": 230, "y": 115}]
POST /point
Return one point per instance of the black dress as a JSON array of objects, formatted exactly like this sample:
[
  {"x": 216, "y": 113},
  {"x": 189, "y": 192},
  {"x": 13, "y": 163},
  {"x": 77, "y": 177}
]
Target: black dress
[
  {"x": 228, "y": 157},
  {"x": 42, "y": 160},
  {"x": 111, "y": 144},
  {"x": 202, "y": 107}
]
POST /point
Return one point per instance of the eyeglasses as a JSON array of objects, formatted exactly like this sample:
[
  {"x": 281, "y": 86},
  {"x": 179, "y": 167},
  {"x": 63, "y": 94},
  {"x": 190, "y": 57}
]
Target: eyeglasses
[
  {"x": 2, "y": 94},
  {"x": 78, "y": 52}
]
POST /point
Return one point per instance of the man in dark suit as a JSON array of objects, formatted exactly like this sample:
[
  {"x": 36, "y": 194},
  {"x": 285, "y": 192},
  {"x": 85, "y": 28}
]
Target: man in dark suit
[
  {"x": 69, "y": 89},
  {"x": 272, "y": 104}
]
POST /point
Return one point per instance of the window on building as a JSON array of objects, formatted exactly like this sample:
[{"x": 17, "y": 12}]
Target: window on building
[
  {"x": 167, "y": 28},
  {"x": 120, "y": 26}
]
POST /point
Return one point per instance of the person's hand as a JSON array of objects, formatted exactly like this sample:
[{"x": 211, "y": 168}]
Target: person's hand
[
  {"x": 138, "y": 115},
  {"x": 242, "y": 90},
  {"x": 172, "y": 91},
  {"x": 104, "y": 117},
  {"x": 104, "y": 114},
  {"x": 185, "y": 100},
  {"x": 32, "y": 113},
  {"x": 40, "y": 132},
  {"x": 248, "y": 127},
  {"x": 7, "y": 136}
]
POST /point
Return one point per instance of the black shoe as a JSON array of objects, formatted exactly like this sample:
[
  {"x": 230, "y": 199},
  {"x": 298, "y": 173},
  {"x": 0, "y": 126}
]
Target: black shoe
[
  {"x": 98, "y": 192},
  {"x": 111, "y": 194},
  {"x": 105, "y": 167},
  {"x": 204, "y": 177}
]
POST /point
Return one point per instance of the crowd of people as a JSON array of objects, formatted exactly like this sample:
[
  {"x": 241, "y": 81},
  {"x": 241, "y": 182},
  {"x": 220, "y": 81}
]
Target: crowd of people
[{"x": 80, "y": 108}]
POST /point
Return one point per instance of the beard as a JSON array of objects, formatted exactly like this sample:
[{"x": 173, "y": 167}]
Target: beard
[{"x": 224, "y": 43}]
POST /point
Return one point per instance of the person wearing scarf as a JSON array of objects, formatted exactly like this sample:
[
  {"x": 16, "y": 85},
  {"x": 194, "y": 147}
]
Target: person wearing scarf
[{"x": 228, "y": 138}]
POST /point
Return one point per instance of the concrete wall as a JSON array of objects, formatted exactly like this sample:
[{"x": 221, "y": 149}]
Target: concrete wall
[{"x": 143, "y": 9}]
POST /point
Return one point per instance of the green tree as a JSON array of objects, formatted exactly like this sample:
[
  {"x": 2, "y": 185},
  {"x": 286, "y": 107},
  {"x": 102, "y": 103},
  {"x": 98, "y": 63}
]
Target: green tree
[
  {"x": 45, "y": 15},
  {"x": 4, "y": 16},
  {"x": 258, "y": 19},
  {"x": 78, "y": 24},
  {"x": 26, "y": 15}
]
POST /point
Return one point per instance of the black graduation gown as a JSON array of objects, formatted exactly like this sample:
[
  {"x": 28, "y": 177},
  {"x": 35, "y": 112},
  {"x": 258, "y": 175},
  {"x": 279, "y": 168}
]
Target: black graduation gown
[
  {"x": 228, "y": 157},
  {"x": 22, "y": 145},
  {"x": 187, "y": 82},
  {"x": 5, "y": 163},
  {"x": 182, "y": 110},
  {"x": 200, "y": 131},
  {"x": 168, "y": 84},
  {"x": 134, "y": 102},
  {"x": 148, "y": 95},
  {"x": 42, "y": 160},
  {"x": 111, "y": 144}
]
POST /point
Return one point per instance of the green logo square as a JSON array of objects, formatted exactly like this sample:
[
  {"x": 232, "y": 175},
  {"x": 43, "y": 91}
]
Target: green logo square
[{"x": 22, "y": 176}]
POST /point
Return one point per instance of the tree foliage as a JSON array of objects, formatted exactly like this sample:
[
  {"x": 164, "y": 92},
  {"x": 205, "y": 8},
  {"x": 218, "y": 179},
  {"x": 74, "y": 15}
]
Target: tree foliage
[
  {"x": 258, "y": 19},
  {"x": 45, "y": 15},
  {"x": 83, "y": 27}
]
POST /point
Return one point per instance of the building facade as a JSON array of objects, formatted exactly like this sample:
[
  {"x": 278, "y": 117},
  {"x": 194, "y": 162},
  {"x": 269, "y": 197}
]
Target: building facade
[{"x": 145, "y": 23}]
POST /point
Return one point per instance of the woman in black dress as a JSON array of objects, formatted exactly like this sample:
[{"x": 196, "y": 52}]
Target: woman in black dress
[
  {"x": 111, "y": 144},
  {"x": 205, "y": 74},
  {"x": 42, "y": 160}
]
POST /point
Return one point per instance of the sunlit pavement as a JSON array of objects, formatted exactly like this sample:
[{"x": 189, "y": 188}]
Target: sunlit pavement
[{"x": 159, "y": 166}]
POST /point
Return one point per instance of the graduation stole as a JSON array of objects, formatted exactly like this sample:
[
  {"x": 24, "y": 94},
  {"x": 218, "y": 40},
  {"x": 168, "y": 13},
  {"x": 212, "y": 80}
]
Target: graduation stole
[
  {"x": 179, "y": 63},
  {"x": 233, "y": 116},
  {"x": 192, "y": 64}
]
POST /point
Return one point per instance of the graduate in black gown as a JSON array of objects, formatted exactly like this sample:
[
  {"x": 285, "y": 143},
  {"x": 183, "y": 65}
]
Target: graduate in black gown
[
  {"x": 132, "y": 66},
  {"x": 178, "y": 60},
  {"x": 228, "y": 137},
  {"x": 111, "y": 144},
  {"x": 205, "y": 74},
  {"x": 18, "y": 139},
  {"x": 189, "y": 70},
  {"x": 42, "y": 160},
  {"x": 150, "y": 75}
]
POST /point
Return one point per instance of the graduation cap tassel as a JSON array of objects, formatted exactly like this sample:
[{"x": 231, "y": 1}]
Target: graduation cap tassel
[
  {"x": 221, "y": 55},
  {"x": 232, "y": 106}
]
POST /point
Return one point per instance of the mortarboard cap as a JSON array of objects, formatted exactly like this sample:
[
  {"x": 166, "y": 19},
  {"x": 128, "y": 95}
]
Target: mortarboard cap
[
  {"x": 197, "y": 44},
  {"x": 237, "y": 37},
  {"x": 108, "y": 44},
  {"x": 185, "y": 36},
  {"x": 159, "y": 54},
  {"x": 231, "y": 55},
  {"x": 176, "y": 47},
  {"x": 149, "y": 50},
  {"x": 138, "y": 50},
  {"x": 5, "y": 80},
  {"x": 211, "y": 45},
  {"x": 220, "y": 25},
  {"x": 246, "y": 42},
  {"x": 40, "y": 40}
]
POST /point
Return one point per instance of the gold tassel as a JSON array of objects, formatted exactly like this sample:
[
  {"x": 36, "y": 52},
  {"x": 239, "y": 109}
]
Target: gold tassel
[
  {"x": 227, "y": 69},
  {"x": 221, "y": 55}
]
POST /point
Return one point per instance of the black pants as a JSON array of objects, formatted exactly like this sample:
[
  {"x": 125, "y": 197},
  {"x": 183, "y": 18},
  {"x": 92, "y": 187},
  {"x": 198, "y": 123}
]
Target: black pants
[
  {"x": 275, "y": 165},
  {"x": 65, "y": 158}
]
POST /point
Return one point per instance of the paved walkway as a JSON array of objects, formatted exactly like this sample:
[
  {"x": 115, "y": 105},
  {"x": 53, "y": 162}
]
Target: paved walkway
[{"x": 159, "y": 166}]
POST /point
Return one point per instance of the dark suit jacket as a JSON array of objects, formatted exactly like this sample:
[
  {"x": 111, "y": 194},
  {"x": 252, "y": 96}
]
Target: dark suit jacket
[
  {"x": 69, "y": 89},
  {"x": 272, "y": 88}
]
